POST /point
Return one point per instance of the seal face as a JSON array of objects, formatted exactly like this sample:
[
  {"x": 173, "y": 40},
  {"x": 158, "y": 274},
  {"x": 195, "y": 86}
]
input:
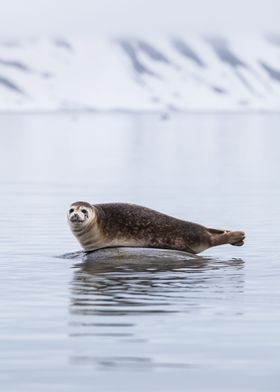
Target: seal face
[
  {"x": 120, "y": 224},
  {"x": 82, "y": 219},
  {"x": 80, "y": 214}
]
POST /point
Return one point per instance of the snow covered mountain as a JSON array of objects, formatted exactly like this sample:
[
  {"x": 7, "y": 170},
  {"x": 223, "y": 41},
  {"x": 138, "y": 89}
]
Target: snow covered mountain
[{"x": 141, "y": 74}]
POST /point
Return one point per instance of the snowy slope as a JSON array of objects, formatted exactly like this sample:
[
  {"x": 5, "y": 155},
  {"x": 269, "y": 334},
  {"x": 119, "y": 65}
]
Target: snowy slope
[{"x": 141, "y": 74}]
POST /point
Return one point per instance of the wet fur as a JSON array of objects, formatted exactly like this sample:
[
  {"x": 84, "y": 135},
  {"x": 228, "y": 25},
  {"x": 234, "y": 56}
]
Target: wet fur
[{"x": 121, "y": 224}]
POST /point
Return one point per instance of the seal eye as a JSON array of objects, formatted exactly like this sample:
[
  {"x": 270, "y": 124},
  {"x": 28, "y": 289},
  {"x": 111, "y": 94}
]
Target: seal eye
[
  {"x": 84, "y": 211},
  {"x": 71, "y": 210}
]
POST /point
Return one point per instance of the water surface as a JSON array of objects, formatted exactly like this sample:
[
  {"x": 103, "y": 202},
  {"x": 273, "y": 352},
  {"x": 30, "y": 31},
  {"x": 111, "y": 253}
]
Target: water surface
[{"x": 202, "y": 325}]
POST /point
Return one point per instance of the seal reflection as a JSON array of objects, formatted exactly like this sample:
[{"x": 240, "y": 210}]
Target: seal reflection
[
  {"x": 112, "y": 302},
  {"x": 103, "y": 288}
]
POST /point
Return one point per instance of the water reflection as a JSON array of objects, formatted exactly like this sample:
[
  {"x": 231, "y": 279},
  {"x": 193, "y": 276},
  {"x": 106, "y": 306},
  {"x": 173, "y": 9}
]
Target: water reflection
[
  {"x": 139, "y": 363},
  {"x": 118, "y": 303},
  {"x": 165, "y": 286}
]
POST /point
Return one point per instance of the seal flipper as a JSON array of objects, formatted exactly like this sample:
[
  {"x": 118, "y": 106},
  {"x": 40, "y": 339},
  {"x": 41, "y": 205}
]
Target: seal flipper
[
  {"x": 236, "y": 238},
  {"x": 221, "y": 237}
]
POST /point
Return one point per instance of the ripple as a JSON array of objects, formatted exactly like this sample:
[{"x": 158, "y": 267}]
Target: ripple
[
  {"x": 137, "y": 363},
  {"x": 101, "y": 287}
]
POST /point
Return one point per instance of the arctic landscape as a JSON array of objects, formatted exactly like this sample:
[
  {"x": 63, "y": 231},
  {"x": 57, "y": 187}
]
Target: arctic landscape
[
  {"x": 176, "y": 73},
  {"x": 187, "y": 124}
]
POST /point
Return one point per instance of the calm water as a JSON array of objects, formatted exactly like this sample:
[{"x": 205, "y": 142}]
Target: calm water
[{"x": 69, "y": 325}]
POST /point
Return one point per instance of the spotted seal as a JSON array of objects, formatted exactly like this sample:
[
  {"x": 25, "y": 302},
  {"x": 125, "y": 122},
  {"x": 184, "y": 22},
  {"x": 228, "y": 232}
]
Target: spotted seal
[{"x": 122, "y": 224}]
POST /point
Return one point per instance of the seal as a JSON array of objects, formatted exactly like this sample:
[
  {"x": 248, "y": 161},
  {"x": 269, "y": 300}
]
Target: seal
[{"x": 121, "y": 224}]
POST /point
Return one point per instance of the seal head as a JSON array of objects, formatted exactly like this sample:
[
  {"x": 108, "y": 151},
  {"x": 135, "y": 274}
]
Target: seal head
[
  {"x": 80, "y": 214},
  {"x": 83, "y": 222}
]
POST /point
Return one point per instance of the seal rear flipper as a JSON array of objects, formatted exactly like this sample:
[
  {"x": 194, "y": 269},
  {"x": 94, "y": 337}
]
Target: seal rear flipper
[
  {"x": 240, "y": 243},
  {"x": 236, "y": 238},
  {"x": 221, "y": 237}
]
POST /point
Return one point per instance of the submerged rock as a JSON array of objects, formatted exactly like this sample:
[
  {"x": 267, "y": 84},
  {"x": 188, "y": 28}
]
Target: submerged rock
[
  {"x": 129, "y": 254},
  {"x": 136, "y": 259},
  {"x": 124, "y": 259}
]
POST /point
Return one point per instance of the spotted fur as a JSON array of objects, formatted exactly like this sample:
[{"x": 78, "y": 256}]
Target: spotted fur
[{"x": 122, "y": 224}]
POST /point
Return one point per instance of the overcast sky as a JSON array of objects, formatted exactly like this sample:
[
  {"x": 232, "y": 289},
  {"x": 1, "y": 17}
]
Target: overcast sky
[{"x": 82, "y": 17}]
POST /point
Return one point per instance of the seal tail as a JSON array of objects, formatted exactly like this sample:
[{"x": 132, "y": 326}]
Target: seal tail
[{"x": 221, "y": 237}]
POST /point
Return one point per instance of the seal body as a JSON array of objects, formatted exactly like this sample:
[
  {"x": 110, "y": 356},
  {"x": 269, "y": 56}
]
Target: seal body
[{"x": 121, "y": 224}]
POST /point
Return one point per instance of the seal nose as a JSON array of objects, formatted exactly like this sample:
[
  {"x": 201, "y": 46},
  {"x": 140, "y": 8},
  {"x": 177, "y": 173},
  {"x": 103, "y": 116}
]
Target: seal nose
[{"x": 75, "y": 217}]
